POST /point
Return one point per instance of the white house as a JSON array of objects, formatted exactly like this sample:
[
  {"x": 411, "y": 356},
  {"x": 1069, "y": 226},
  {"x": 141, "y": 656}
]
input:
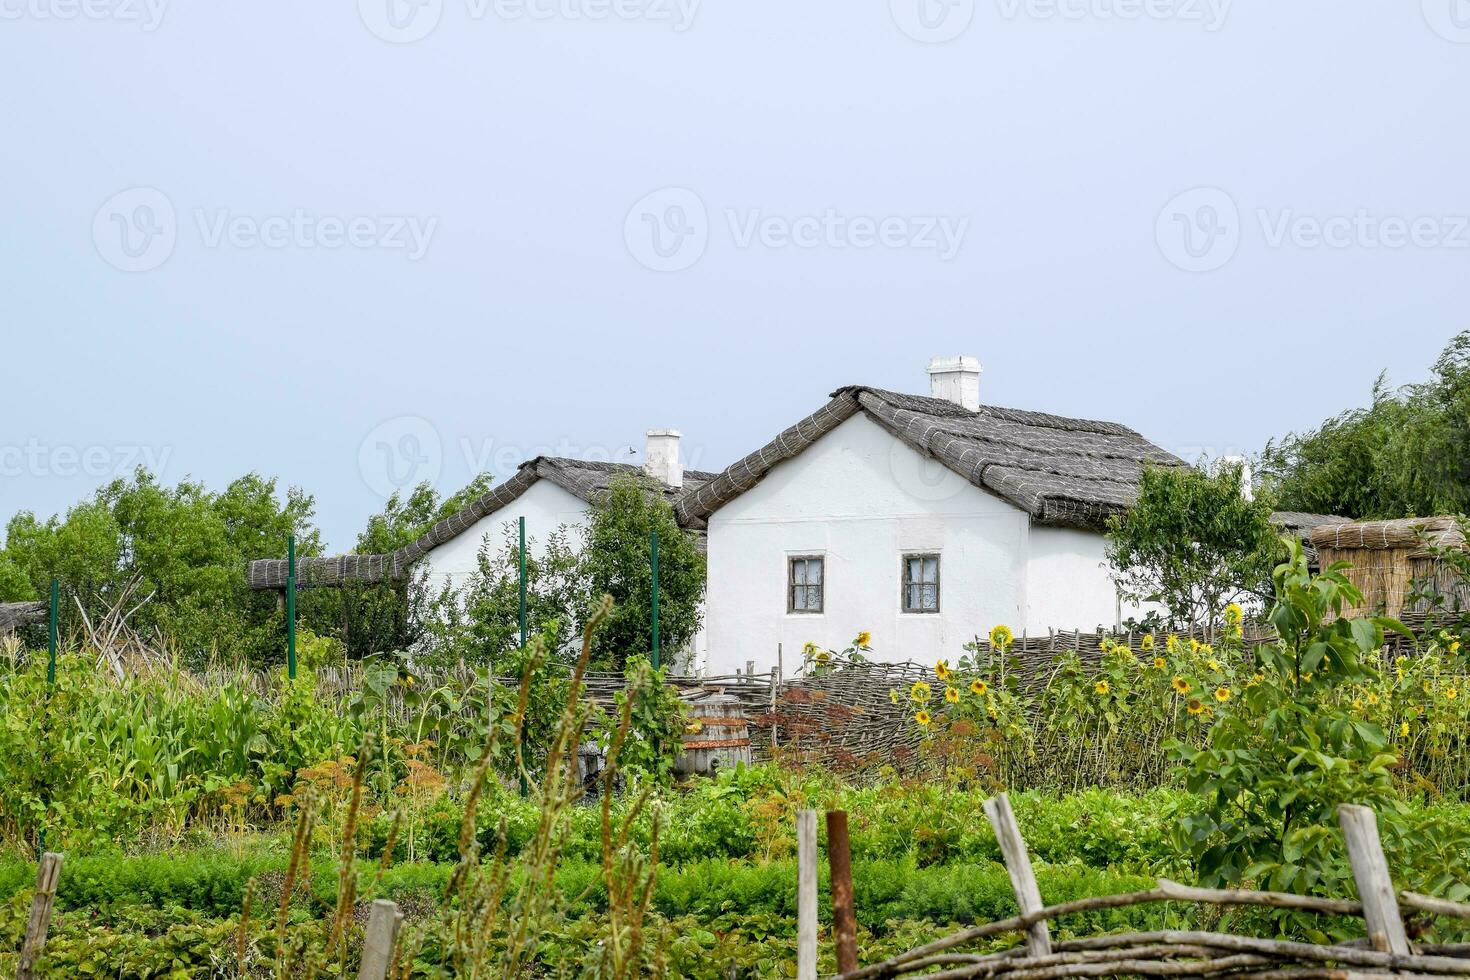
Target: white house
[{"x": 924, "y": 520}]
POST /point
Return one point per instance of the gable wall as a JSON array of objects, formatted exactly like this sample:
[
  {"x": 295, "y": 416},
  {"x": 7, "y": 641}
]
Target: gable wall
[{"x": 545, "y": 507}]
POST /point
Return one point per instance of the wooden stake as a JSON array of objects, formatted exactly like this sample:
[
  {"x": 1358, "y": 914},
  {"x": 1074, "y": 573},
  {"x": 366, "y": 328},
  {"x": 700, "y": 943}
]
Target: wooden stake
[
  {"x": 806, "y": 895},
  {"x": 1375, "y": 886},
  {"x": 1018, "y": 866},
  {"x": 844, "y": 917},
  {"x": 40, "y": 921},
  {"x": 378, "y": 941}
]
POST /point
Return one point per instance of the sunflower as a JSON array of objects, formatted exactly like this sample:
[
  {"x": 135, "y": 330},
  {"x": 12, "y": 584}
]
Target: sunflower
[
  {"x": 922, "y": 717},
  {"x": 920, "y": 691},
  {"x": 694, "y": 727},
  {"x": 1234, "y": 614},
  {"x": 808, "y": 648},
  {"x": 978, "y": 687},
  {"x": 1259, "y": 676},
  {"x": 893, "y": 695},
  {"x": 1403, "y": 729},
  {"x": 1001, "y": 636},
  {"x": 1106, "y": 644},
  {"x": 1208, "y": 649},
  {"x": 823, "y": 657},
  {"x": 1212, "y": 663},
  {"x": 1180, "y": 685},
  {"x": 1450, "y": 694},
  {"x": 1222, "y": 694},
  {"x": 1147, "y": 643},
  {"x": 1195, "y": 707},
  {"x": 1101, "y": 687},
  {"x": 952, "y": 695},
  {"x": 1160, "y": 663},
  {"x": 1194, "y": 645},
  {"x": 1372, "y": 698},
  {"x": 862, "y": 640},
  {"x": 941, "y": 670},
  {"x": 1455, "y": 646},
  {"x": 1172, "y": 643}
]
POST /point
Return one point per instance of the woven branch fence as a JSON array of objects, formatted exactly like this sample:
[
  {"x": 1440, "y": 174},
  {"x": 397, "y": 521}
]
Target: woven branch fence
[
  {"x": 1384, "y": 951},
  {"x": 843, "y": 719}
]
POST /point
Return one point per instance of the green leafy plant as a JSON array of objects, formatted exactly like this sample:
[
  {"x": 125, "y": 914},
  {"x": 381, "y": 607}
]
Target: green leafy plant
[{"x": 1284, "y": 754}]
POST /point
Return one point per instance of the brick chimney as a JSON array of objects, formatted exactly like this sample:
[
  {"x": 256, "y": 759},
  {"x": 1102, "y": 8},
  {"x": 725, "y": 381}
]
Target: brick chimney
[
  {"x": 661, "y": 457},
  {"x": 956, "y": 379}
]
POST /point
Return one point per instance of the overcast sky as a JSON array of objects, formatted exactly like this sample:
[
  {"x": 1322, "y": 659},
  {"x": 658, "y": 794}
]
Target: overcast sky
[{"x": 346, "y": 243}]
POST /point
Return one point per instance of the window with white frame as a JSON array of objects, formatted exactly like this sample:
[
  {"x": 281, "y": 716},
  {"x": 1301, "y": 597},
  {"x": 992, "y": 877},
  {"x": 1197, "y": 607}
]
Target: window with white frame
[
  {"x": 920, "y": 584},
  {"x": 805, "y": 587}
]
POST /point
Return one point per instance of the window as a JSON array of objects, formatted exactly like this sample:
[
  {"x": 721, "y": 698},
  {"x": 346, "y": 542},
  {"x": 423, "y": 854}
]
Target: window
[
  {"x": 804, "y": 593},
  {"x": 921, "y": 583}
]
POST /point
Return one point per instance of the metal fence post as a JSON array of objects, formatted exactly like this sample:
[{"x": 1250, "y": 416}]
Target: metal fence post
[
  {"x": 653, "y": 543},
  {"x": 291, "y": 606},
  {"x": 51, "y": 632}
]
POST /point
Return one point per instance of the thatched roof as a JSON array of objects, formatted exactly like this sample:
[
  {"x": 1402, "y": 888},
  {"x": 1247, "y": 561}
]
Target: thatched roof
[
  {"x": 1303, "y": 523},
  {"x": 1061, "y": 471},
  {"x": 14, "y": 615},
  {"x": 1418, "y": 534},
  {"x": 586, "y": 479}
]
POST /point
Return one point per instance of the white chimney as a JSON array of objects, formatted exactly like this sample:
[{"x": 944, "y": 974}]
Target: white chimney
[
  {"x": 1247, "y": 491},
  {"x": 956, "y": 379},
  {"x": 661, "y": 457}
]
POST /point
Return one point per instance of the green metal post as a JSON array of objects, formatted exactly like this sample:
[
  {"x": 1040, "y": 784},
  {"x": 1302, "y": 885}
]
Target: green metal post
[
  {"x": 51, "y": 631},
  {"x": 291, "y": 606},
  {"x": 521, "y": 554},
  {"x": 521, "y": 559},
  {"x": 654, "y": 544}
]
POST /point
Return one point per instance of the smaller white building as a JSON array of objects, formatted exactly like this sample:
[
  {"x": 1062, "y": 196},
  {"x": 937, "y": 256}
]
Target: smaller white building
[{"x": 925, "y": 520}]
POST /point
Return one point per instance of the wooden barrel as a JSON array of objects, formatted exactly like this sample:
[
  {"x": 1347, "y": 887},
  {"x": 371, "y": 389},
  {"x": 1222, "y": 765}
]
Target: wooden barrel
[{"x": 720, "y": 738}]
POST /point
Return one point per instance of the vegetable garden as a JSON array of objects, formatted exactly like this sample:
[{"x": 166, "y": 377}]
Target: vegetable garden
[{"x": 215, "y": 825}]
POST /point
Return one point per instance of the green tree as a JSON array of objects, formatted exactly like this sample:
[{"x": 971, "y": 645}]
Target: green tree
[
  {"x": 1406, "y": 455},
  {"x": 617, "y": 561},
  {"x": 1193, "y": 543},
  {"x": 186, "y": 547}
]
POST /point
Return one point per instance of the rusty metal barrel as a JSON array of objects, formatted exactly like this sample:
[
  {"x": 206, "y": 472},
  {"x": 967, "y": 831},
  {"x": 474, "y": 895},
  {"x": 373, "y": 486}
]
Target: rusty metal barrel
[{"x": 718, "y": 736}]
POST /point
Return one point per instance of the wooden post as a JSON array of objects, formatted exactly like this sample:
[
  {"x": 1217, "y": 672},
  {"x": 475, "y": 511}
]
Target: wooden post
[
  {"x": 844, "y": 917},
  {"x": 775, "y": 687},
  {"x": 40, "y": 921},
  {"x": 806, "y": 895},
  {"x": 1375, "y": 886},
  {"x": 378, "y": 941},
  {"x": 1018, "y": 866}
]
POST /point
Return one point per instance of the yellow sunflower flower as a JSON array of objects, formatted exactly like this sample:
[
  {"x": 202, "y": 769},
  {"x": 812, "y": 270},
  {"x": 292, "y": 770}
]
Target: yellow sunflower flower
[
  {"x": 922, "y": 717},
  {"x": 1195, "y": 707},
  {"x": 1172, "y": 643},
  {"x": 1451, "y": 693},
  {"x": 920, "y": 691},
  {"x": 1147, "y": 643},
  {"x": 1372, "y": 698},
  {"x": 1001, "y": 636},
  {"x": 1181, "y": 685},
  {"x": 1212, "y": 663},
  {"x": 941, "y": 670},
  {"x": 1101, "y": 687},
  {"x": 863, "y": 639},
  {"x": 952, "y": 695},
  {"x": 823, "y": 657},
  {"x": 1403, "y": 729},
  {"x": 893, "y": 695},
  {"x": 1234, "y": 615},
  {"x": 978, "y": 687},
  {"x": 1222, "y": 694},
  {"x": 808, "y": 648},
  {"x": 1160, "y": 663}
]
